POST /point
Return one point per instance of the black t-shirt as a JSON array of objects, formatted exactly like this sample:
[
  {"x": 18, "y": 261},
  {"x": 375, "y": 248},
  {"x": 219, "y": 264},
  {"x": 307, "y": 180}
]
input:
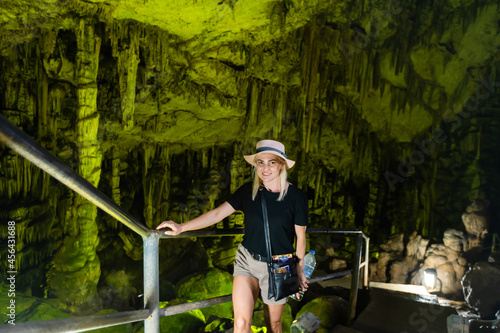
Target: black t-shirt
[{"x": 283, "y": 216}]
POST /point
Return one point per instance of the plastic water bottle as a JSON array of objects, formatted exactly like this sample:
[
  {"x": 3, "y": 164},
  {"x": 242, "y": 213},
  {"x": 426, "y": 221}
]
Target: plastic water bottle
[{"x": 309, "y": 265}]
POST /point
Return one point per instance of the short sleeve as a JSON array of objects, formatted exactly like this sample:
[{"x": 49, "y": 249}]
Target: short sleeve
[
  {"x": 301, "y": 216},
  {"x": 238, "y": 198}
]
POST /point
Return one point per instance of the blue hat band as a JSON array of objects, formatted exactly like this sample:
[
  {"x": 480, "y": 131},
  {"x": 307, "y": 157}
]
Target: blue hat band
[{"x": 261, "y": 149}]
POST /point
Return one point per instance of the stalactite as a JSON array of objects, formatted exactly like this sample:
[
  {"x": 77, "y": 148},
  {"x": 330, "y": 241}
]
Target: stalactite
[
  {"x": 319, "y": 179},
  {"x": 56, "y": 97},
  {"x": 128, "y": 60},
  {"x": 253, "y": 103},
  {"x": 115, "y": 179},
  {"x": 311, "y": 94},
  {"x": 42, "y": 94},
  {"x": 375, "y": 84},
  {"x": 280, "y": 113},
  {"x": 149, "y": 182}
]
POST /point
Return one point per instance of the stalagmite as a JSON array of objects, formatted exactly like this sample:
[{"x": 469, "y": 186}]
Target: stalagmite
[{"x": 75, "y": 270}]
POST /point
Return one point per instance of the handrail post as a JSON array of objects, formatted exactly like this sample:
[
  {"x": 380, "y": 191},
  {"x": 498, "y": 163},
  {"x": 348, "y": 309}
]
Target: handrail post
[
  {"x": 367, "y": 262},
  {"x": 355, "y": 279},
  {"x": 151, "y": 282}
]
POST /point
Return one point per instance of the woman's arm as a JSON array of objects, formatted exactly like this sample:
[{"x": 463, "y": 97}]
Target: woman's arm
[
  {"x": 300, "y": 252},
  {"x": 209, "y": 218}
]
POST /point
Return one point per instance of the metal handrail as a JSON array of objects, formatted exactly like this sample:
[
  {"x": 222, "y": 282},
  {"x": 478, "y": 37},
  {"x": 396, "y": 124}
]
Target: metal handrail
[
  {"x": 29, "y": 149},
  {"x": 32, "y": 151},
  {"x": 82, "y": 324},
  {"x": 77, "y": 324}
]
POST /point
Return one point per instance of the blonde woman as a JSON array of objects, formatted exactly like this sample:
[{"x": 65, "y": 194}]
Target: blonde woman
[{"x": 288, "y": 219}]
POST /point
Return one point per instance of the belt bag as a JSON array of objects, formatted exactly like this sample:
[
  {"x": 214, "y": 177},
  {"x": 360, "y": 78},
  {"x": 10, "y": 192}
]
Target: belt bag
[{"x": 283, "y": 278}]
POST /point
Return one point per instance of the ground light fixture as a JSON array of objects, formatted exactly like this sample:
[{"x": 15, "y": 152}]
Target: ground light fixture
[{"x": 431, "y": 281}]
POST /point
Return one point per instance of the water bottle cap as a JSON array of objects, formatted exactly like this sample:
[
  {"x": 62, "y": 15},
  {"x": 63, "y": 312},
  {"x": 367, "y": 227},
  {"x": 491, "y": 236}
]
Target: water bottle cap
[{"x": 312, "y": 251}]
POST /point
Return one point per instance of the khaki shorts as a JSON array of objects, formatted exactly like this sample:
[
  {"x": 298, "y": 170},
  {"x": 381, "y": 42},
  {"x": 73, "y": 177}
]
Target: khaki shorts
[{"x": 246, "y": 265}]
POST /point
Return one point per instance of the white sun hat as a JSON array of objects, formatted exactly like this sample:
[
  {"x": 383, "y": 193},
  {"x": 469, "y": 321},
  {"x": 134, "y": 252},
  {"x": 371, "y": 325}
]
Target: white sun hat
[{"x": 270, "y": 147}]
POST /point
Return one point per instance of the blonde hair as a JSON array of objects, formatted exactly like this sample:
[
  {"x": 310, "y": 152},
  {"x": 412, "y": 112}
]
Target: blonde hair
[{"x": 257, "y": 182}]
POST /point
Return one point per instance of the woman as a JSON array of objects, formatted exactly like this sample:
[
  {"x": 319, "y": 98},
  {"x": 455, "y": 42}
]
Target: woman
[{"x": 288, "y": 218}]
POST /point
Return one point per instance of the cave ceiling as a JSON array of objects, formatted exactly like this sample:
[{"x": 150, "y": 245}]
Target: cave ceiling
[{"x": 205, "y": 67}]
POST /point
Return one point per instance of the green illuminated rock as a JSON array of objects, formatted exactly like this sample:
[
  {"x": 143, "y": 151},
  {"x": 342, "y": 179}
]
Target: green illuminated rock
[
  {"x": 190, "y": 321},
  {"x": 212, "y": 284},
  {"x": 331, "y": 310}
]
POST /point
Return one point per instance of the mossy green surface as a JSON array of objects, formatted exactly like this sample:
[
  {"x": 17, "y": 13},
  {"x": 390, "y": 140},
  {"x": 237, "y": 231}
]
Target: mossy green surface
[
  {"x": 33, "y": 308},
  {"x": 191, "y": 321},
  {"x": 214, "y": 283},
  {"x": 259, "y": 321},
  {"x": 331, "y": 310}
]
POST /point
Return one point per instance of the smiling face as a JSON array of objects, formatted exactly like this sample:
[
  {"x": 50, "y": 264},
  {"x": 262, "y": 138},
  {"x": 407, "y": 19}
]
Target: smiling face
[{"x": 268, "y": 167}]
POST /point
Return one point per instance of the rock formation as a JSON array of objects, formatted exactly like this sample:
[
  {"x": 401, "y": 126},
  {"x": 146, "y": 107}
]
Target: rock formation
[
  {"x": 389, "y": 108},
  {"x": 394, "y": 263},
  {"x": 481, "y": 286},
  {"x": 392, "y": 250},
  {"x": 447, "y": 261},
  {"x": 475, "y": 220}
]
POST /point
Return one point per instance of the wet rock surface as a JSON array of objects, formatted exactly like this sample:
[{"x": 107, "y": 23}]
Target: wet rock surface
[{"x": 481, "y": 286}]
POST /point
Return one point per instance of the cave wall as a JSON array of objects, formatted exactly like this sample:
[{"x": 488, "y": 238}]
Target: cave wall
[{"x": 390, "y": 110}]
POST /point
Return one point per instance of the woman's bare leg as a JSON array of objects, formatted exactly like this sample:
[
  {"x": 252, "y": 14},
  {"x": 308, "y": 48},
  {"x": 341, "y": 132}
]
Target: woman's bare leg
[
  {"x": 245, "y": 293},
  {"x": 273, "y": 315}
]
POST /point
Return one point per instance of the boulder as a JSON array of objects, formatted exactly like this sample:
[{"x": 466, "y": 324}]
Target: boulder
[
  {"x": 218, "y": 325},
  {"x": 481, "y": 287},
  {"x": 373, "y": 271},
  {"x": 331, "y": 310},
  {"x": 208, "y": 285},
  {"x": 189, "y": 322},
  {"x": 124, "y": 328},
  {"x": 476, "y": 222},
  {"x": 400, "y": 270},
  {"x": 43, "y": 310},
  {"x": 22, "y": 302},
  {"x": 258, "y": 320},
  {"x": 494, "y": 259},
  {"x": 394, "y": 244},
  {"x": 450, "y": 283},
  {"x": 337, "y": 264},
  {"x": 448, "y": 264},
  {"x": 119, "y": 293},
  {"x": 392, "y": 261},
  {"x": 384, "y": 259},
  {"x": 455, "y": 240},
  {"x": 476, "y": 217}
]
